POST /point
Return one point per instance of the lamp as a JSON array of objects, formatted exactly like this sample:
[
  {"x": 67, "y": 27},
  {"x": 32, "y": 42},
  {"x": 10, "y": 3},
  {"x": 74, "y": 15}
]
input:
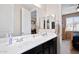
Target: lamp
[{"x": 78, "y": 7}]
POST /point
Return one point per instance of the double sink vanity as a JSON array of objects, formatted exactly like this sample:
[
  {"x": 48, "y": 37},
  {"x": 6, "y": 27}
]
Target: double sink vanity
[
  {"x": 38, "y": 34},
  {"x": 30, "y": 44}
]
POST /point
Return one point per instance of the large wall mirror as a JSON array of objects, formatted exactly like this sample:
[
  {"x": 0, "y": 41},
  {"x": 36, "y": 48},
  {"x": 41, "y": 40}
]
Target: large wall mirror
[
  {"x": 33, "y": 21},
  {"x": 29, "y": 19},
  {"x": 47, "y": 22}
]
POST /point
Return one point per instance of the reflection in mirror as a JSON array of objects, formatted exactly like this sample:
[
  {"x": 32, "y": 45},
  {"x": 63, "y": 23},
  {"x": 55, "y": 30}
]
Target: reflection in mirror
[
  {"x": 44, "y": 24},
  {"x": 53, "y": 25},
  {"x": 48, "y": 24},
  {"x": 33, "y": 22}
]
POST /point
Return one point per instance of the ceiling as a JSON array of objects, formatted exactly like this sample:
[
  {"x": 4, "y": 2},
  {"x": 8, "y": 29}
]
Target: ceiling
[
  {"x": 28, "y": 6},
  {"x": 68, "y": 5},
  {"x": 31, "y": 6}
]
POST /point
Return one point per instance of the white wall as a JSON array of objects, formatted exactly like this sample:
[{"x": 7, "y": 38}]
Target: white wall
[
  {"x": 10, "y": 19},
  {"x": 17, "y": 20},
  {"x": 6, "y": 19}
]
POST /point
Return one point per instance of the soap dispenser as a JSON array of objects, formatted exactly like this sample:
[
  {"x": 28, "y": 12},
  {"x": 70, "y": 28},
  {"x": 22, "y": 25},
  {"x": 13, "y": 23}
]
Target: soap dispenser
[{"x": 10, "y": 38}]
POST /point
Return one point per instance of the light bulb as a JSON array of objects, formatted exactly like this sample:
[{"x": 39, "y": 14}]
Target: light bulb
[
  {"x": 78, "y": 9},
  {"x": 37, "y": 5}
]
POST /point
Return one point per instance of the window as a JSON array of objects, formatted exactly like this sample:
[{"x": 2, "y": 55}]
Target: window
[
  {"x": 72, "y": 23},
  {"x": 69, "y": 24}
]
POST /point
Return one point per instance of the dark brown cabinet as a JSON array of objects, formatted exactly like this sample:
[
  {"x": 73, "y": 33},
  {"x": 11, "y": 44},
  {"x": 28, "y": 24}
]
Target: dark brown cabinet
[{"x": 49, "y": 47}]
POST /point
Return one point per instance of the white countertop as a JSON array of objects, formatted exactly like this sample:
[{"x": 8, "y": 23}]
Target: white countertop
[{"x": 28, "y": 43}]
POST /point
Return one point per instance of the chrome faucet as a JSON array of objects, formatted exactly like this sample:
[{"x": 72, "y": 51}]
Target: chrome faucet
[
  {"x": 19, "y": 39},
  {"x": 44, "y": 34}
]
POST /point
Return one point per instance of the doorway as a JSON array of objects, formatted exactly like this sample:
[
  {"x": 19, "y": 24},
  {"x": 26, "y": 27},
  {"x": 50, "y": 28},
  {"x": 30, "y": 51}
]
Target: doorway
[{"x": 70, "y": 26}]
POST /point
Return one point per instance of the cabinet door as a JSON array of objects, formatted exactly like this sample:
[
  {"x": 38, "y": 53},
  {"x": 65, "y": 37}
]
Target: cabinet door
[
  {"x": 55, "y": 45},
  {"x": 49, "y": 47},
  {"x": 46, "y": 48},
  {"x": 52, "y": 46},
  {"x": 38, "y": 50}
]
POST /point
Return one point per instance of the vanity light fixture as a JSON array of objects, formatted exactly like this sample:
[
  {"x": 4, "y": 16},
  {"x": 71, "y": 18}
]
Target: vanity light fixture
[
  {"x": 77, "y": 8},
  {"x": 37, "y": 5}
]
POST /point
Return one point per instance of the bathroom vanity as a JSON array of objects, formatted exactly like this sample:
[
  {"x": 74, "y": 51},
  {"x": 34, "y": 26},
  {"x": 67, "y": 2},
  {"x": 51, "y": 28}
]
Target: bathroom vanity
[
  {"x": 49, "y": 47},
  {"x": 31, "y": 44}
]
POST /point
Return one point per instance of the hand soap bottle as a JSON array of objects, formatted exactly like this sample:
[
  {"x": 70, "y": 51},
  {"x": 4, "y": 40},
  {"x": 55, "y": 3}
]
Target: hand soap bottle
[{"x": 10, "y": 38}]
